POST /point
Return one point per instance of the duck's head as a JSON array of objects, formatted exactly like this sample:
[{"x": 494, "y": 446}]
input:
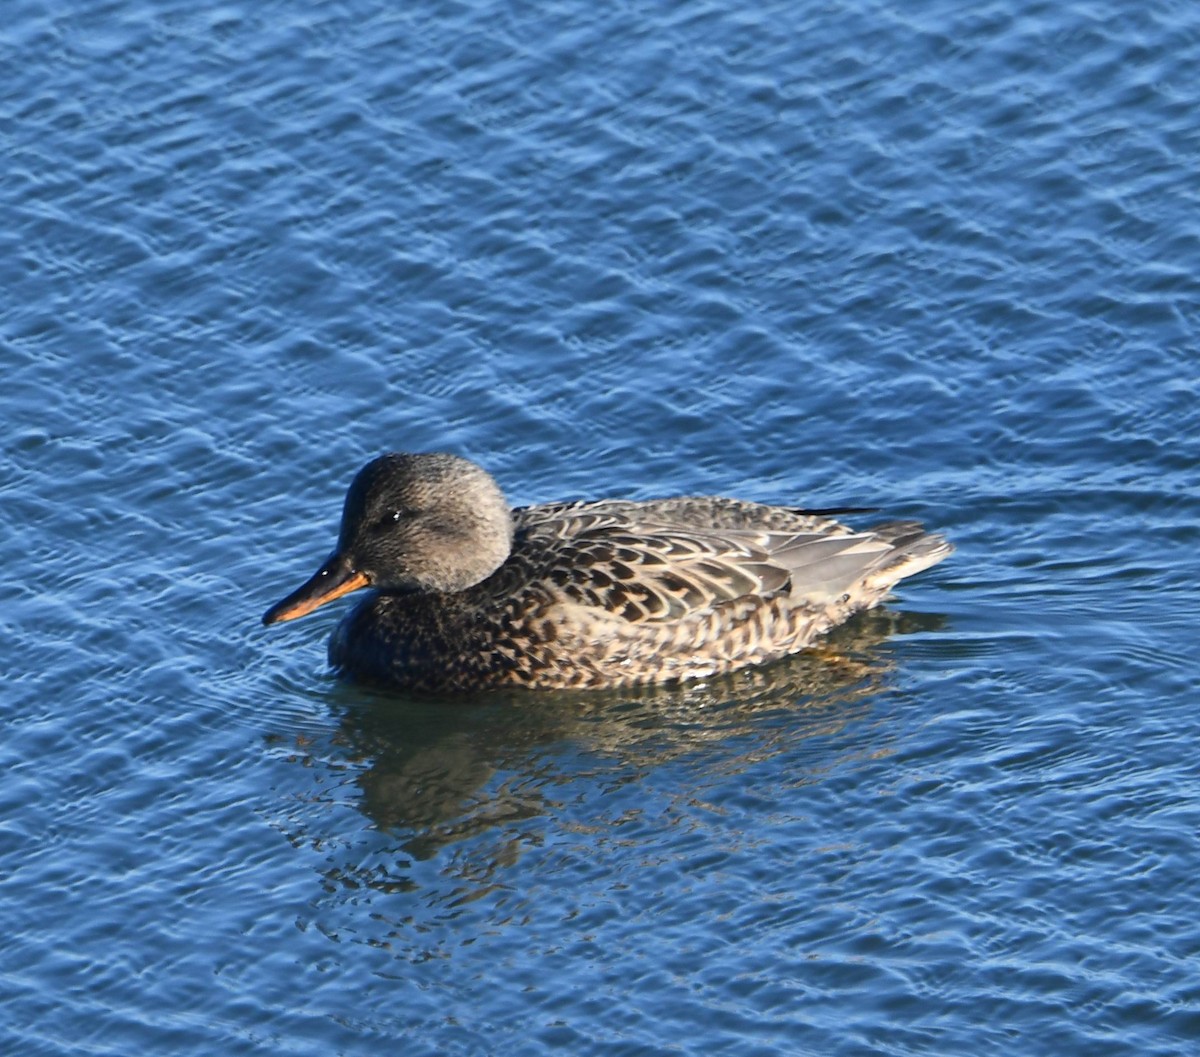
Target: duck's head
[{"x": 411, "y": 523}]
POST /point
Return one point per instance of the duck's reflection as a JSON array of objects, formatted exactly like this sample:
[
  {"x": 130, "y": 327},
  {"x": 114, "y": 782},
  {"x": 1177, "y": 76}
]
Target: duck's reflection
[{"x": 432, "y": 773}]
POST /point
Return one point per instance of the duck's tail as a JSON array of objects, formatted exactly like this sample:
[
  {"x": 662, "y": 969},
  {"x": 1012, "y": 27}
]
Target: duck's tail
[{"x": 913, "y": 550}]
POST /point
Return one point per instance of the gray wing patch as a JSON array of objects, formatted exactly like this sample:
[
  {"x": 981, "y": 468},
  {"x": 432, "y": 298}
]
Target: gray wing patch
[{"x": 824, "y": 567}]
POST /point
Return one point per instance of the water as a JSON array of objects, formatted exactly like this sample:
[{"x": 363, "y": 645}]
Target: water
[{"x": 935, "y": 258}]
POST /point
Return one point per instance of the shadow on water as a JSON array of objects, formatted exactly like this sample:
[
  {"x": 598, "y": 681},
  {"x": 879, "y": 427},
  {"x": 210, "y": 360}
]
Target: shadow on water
[{"x": 429, "y": 774}]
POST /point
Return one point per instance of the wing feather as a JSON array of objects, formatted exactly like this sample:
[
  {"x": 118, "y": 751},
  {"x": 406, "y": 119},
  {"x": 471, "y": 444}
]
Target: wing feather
[{"x": 651, "y": 562}]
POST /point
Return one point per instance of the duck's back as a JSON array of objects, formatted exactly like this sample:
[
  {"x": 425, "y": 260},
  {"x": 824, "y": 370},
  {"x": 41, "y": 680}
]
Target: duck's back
[{"x": 615, "y": 593}]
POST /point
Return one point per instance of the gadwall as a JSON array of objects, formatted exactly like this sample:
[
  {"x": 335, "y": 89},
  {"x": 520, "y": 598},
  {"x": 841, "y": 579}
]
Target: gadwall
[{"x": 468, "y": 594}]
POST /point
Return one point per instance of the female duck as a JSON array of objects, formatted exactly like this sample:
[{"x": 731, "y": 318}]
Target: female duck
[{"x": 469, "y": 594}]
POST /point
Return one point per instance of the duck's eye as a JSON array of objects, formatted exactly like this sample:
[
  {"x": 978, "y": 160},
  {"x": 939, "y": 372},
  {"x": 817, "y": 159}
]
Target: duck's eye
[{"x": 390, "y": 520}]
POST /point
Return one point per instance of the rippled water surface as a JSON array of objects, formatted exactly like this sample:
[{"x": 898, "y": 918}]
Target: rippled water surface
[{"x": 937, "y": 258}]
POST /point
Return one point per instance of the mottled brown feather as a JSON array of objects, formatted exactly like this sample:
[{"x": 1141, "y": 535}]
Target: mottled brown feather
[{"x": 616, "y": 593}]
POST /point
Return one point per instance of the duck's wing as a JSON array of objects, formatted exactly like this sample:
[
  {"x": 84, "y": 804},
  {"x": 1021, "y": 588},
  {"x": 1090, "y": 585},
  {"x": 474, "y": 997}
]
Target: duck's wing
[
  {"x": 683, "y": 512},
  {"x": 647, "y": 571}
]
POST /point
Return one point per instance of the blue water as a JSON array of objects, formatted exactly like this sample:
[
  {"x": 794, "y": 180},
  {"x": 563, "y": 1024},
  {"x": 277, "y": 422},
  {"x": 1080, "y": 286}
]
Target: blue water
[{"x": 939, "y": 258}]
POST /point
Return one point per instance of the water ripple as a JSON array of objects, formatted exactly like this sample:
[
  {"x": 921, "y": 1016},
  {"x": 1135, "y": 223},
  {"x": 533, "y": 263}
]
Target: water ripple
[{"x": 936, "y": 259}]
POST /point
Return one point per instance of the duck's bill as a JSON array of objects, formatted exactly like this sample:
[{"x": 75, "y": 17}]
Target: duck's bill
[{"x": 334, "y": 579}]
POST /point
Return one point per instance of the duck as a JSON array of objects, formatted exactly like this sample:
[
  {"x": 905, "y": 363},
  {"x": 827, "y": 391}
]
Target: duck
[{"x": 466, "y": 594}]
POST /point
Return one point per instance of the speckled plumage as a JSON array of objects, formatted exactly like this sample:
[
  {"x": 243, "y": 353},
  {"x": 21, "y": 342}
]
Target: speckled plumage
[{"x": 609, "y": 593}]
